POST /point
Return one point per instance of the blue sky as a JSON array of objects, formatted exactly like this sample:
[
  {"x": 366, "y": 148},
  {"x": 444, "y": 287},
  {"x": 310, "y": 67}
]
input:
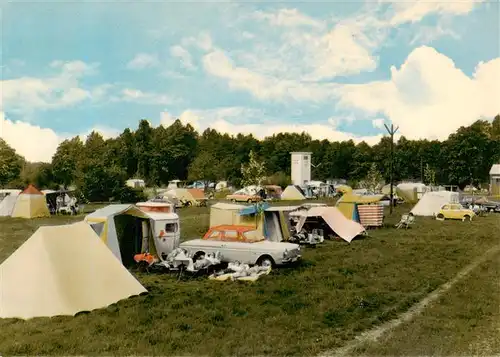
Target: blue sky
[{"x": 337, "y": 70}]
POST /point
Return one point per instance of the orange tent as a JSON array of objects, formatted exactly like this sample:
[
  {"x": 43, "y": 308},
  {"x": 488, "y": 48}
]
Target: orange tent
[
  {"x": 197, "y": 193},
  {"x": 31, "y": 190}
]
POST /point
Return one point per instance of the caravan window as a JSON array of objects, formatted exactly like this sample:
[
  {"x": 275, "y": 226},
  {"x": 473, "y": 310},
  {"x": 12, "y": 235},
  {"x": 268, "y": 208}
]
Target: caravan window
[{"x": 171, "y": 228}]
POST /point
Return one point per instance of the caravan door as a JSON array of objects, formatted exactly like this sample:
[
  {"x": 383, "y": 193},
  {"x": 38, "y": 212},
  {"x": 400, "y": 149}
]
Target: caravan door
[{"x": 167, "y": 234}]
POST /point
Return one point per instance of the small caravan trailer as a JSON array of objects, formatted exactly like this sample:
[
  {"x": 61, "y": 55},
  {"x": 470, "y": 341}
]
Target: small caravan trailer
[{"x": 128, "y": 230}]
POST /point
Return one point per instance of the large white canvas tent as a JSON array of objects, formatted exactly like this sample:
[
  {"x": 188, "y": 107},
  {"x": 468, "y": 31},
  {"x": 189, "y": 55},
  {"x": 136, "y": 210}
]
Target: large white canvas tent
[
  {"x": 62, "y": 270},
  {"x": 8, "y": 200},
  {"x": 333, "y": 217},
  {"x": 191, "y": 195},
  {"x": 431, "y": 202},
  {"x": 411, "y": 192},
  {"x": 31, "y": 203},
  {"x": 229, "y": 213},
  {"x": 292, "y": 193}
]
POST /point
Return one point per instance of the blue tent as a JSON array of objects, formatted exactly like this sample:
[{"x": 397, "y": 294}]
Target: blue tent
[{"x": 253, "y": 209}]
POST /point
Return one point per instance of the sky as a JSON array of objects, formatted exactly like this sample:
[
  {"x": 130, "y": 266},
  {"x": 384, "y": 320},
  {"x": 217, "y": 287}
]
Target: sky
[{"x": 337, "y": 70}]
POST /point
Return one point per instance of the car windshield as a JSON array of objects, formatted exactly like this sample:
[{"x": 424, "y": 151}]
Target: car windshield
[{"x": 253, "y": 236}]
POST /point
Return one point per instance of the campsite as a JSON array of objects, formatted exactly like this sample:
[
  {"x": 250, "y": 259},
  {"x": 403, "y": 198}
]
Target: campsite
[
  {"x": 250, "y": 178},
  {"x": 92, "y": 265},
  {"x": 337, "y": 291}
]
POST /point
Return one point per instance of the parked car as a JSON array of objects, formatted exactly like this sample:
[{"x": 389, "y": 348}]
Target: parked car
[
  {"x": 244, "y": 244},
  {"x": 454, "y": 211},
  {"x": 242, "y": 196},
  {"x": 491, "y": 206}
]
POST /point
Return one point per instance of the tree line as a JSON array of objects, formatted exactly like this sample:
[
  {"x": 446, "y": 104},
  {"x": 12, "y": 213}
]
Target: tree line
[{"x": 99, "y": 167}]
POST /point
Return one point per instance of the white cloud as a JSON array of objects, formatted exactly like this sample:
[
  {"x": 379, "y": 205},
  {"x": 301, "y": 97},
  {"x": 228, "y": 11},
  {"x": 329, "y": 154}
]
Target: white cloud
[
  {"x": 37, "y": 144},
  {"x": 26, "y": 94},
  {"x": 183, "y": 55},
  {"x": 138, "y": 96},
  {"x": 229, "y": 120},
  {"x": 415, "y": 10},
  {"x": 202, "y": 41},
  {"x": 75, "y": 68},
  {"x": 428, "y": 97},
  {"x": 106, "y": 133},
  {"x": 336, "y": 53},
  {"x": 101, "y": 91},
  {"x": 219, "y": 65},
  {"x": 173, "y": 74},
  {"x": 247, "y": 35},
  {"x": 293, "y": 65},
  {"x": 143, "y": 60},
  {"x": 378, "y": 123},
  {"x": 31, "y": 141},
  {"x": 311, "y": 50},
  {"x": 428, "y": 34},
  {"x": 288, "y": 18}
]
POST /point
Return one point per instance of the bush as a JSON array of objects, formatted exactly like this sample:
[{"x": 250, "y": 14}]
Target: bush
[
  {"x": 279, "y": 178},
  {"x": 129, "y": 195},
  {"x": 101, "y": 184}
]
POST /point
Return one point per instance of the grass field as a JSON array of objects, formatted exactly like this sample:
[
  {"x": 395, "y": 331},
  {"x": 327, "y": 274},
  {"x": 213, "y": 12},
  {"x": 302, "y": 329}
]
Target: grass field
[
  {"x": 335, "y": 293},
  {"x": 443, "y": 329}
]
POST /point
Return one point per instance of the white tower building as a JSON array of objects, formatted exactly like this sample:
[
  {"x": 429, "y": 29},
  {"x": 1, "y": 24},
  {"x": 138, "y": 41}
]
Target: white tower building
[{"x": 301, "y": 168}]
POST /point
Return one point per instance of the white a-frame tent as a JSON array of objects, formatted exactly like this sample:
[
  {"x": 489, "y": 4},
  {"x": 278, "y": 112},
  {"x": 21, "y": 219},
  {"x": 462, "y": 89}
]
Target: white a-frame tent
[
  {"x": 431, "y": 202},
  {"x": 8, "y": 202},
  {"x": 62, "y": 270}
]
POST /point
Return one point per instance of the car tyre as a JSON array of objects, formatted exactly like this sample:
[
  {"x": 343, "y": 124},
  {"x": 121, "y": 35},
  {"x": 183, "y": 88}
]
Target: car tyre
[
  {"x": 233, "y": 200},
  {"x": 467, "y": 218},
  {"x": 142, "y": 266},
  {"x": 265, "y": 261},
  {"x": 198, "y": 255},
  {"x": 249, "y": 200},
  {"x": 440, "y": 217}
]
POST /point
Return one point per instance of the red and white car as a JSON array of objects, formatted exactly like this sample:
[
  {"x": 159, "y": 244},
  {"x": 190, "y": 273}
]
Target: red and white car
[
  {"x": 243, "y": 244},
  {"x": 243, "y": 196}
]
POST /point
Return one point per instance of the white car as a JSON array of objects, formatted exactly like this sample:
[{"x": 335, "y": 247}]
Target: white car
[{"x": 243, "y": 244}]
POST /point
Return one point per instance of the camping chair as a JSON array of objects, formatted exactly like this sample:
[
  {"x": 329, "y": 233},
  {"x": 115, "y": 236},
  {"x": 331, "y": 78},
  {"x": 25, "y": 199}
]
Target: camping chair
[{"x": 406, "y": 221}]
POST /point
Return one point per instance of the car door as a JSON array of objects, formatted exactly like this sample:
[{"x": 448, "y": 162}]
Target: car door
[
  {"x": 456, "y": 211},
  {"x": 233, "y": 248},
  {"x": 445, "y": 210}
]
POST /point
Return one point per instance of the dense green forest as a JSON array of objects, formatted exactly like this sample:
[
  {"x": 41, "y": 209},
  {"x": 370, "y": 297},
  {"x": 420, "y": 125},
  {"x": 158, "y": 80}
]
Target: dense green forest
[{"x": 100, "y": 167}]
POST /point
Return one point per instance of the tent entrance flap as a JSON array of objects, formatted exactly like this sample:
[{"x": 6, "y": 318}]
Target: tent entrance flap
[
  {"x": 131, "y": 231},
  {"x": 273, "y": 227}
]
